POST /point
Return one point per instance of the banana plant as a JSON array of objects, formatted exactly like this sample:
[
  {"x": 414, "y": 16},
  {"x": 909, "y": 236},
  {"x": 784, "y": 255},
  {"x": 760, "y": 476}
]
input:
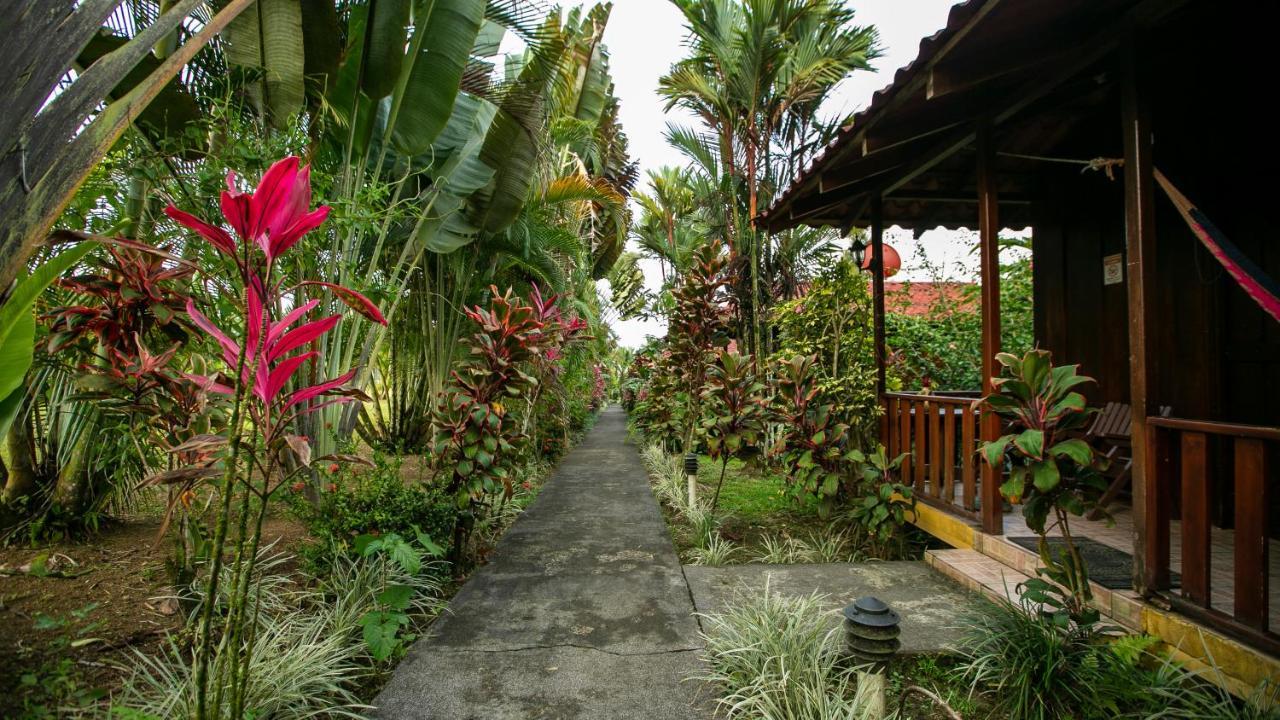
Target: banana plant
[
  {"x": 49, "y": 145},
  {"x": 18, "y": 328}
]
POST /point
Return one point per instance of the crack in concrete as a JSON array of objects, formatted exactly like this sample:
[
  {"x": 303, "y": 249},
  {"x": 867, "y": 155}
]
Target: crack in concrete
[{"x": 525, "y": 648}]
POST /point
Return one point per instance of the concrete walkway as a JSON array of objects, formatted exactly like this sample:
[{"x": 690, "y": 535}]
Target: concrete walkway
[{"x": 583, "y": 612}]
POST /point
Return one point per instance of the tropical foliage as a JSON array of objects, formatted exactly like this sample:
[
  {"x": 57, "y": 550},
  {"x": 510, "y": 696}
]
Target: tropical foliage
[
  {"x": 756, "y": 75},
  {"x": 188, "y": 339},
  {"x": 832, "y": 323},
  {"x": 1051, "y": 471}
]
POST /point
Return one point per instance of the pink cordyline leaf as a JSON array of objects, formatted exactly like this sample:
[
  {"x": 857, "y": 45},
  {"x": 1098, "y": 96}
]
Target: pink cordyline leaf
[
  {"x": 215, "y": 235},
  {"x": 230, "y": 351},
  {"x": 208, "y": 384},
  {"x": 300, "y": 336},
  {"x": 281, "y": 373},
  {"x": 255, "y": 316},
  {"x": 320, "y": 388},
  {"x": 235, "y": 207},
  {"x": 351, "y": 299},
  {"x": 273, "y": 217},
  {"x": 278, "y": 327},
  {"x": 275, "y": 188}
]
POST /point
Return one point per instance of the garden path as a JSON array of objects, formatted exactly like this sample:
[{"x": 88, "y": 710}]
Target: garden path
[{"x": 583, "y": 611}]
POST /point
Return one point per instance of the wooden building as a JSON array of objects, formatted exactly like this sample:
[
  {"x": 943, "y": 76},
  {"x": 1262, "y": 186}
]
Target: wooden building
[{"x": 994, "y": 125}]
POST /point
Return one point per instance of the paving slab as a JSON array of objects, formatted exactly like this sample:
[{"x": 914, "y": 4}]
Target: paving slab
[
  {"x": 559, "y": 683},
  {"x": 927, "y": 601}
]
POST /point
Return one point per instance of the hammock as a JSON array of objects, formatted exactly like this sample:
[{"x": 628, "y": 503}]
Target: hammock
[
  {"x": 1257, "y": 284},
  {"x": 1264, "y": 290}
]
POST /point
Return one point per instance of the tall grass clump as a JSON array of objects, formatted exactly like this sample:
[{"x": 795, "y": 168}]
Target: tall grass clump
[
  {"x": 715, "y": 552},
  {"x": 779, "y": 658},
  {"x": 1032, "y": 667},
  {"x": 1035, "y": 667},
  {"x": 310, "y": 659}
]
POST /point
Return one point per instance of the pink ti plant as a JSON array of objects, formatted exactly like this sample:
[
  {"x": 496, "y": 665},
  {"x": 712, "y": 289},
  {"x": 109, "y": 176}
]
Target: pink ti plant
[{"x": 261, "y": 362}]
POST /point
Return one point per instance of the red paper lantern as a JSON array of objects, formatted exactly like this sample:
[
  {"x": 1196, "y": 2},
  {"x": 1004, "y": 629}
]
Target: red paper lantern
[{"x": 892, "y": 261}]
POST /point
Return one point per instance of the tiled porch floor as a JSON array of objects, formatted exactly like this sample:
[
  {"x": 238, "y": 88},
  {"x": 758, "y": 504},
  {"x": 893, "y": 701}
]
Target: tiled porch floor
[{"x": 1221, "y": 555}]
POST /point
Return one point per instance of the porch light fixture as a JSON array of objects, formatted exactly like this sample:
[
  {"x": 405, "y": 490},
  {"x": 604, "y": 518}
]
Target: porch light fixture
[{"x": 860, "y": 251}]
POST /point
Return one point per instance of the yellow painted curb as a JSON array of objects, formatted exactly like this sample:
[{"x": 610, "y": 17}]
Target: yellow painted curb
[{"x": 1218, "y": 658}]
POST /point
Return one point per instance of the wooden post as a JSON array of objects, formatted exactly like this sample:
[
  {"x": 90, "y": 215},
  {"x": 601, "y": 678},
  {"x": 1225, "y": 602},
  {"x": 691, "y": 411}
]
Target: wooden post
[
  {"x": 877, "y": 285},
  {"x": 1140, "y": 237},
  {"x": 988, "y": 239},
  {"x": 877, "y": 305}
]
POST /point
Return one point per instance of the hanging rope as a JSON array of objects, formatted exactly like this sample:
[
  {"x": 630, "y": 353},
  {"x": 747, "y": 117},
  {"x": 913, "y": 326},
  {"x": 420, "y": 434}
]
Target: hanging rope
[
  {"x": 1105, "y": 164},
  {"x": 1263, "y": 289}
]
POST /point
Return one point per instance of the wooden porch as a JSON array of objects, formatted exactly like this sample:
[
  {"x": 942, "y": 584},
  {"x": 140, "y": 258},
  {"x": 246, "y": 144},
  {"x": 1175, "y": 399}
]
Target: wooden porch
[{"x": 1229, "y": 577}]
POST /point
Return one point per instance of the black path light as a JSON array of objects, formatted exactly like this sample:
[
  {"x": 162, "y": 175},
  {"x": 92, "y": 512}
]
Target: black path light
[
  {"x": 691, "y": 474},
  {"x": 871, "y": 630}
]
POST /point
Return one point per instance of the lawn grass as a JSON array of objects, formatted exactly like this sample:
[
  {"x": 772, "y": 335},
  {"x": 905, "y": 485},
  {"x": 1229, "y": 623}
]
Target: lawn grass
[
  {"x": 756, "y": 507},
  {"x": 754, "y": 504}
]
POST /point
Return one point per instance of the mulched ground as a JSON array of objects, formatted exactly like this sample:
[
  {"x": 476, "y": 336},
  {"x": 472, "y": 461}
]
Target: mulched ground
[{"x": 62, "y": 638}]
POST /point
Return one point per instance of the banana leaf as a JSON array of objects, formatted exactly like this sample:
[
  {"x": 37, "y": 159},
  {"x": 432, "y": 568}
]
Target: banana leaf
[
  {"x": 384, "y": 52},
  {"x": 447, "y": 35},
  {"x": 267, "y": 39}
]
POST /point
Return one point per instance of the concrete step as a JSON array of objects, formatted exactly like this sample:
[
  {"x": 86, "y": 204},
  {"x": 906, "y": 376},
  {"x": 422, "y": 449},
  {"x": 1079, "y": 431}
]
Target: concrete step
[{"x": 977, "y": 572}]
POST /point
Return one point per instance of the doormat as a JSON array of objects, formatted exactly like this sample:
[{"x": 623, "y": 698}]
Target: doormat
[{"x": 1107, "y": 566}]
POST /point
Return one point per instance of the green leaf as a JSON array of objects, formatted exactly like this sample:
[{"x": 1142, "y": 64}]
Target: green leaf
[
  {"x": 427, "y": 544},
  {"x": 1073, "y": 402},
  {"x": 993, "y": 452},
  {"x": 403, "y": 554},
  {"x": 9, "y": 407},
  {"x": 396, "y": 597},
  {"x": 267, "y": 38},
  {"x": 380, "y": 633},
  {"x": 29, "y": 288},
  {"x": 367, "y": 545},
  {"x": 1035, "y": 368},
  {"x": 1078, "y": 450},
  {"x": 511, "y": 147},
  {"x": 1031, "y": 443},
  {"x": 388, "y": 30},
  {"x": 15, "y": 359},
  {"x": 1044, "y": 475},
  {"x": 1012, "y": 489},
  {"x": 425, "y": 101}
]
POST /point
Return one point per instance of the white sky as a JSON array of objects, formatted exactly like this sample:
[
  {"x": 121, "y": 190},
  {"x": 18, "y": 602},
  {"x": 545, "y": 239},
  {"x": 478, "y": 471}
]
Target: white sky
[{"x": 645, "y": 37}]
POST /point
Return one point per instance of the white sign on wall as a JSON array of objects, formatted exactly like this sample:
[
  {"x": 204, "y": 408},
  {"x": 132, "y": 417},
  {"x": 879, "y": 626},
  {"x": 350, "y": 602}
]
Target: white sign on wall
[{"x": 1113, "y": 269}]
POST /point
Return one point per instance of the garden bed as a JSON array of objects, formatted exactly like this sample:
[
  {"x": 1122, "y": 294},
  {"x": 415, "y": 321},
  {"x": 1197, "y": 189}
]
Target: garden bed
[
  {"x": 78, "y": 624},
  {"x": 75, "y": 637}
]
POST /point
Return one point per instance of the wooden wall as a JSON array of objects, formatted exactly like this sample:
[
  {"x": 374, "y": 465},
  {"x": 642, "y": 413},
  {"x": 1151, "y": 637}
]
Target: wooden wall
[{"x": 1219, "y": 353}]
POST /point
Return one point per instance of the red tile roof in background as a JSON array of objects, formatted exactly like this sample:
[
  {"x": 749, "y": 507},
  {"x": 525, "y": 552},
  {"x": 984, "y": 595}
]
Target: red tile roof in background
[{"x": 916, "y": 298}]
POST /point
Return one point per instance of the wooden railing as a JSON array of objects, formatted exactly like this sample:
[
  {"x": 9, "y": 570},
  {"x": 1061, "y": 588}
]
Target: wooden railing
[
  {"x": 941, "y": 433},
  {"x": 1198, "y": 454}
]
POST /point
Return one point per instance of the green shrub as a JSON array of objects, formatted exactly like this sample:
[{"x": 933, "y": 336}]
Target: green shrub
[
  {"x": 371, "y": 501},
  {"x": 942, "y": 349},
  {"x": 832, "y": 323}
]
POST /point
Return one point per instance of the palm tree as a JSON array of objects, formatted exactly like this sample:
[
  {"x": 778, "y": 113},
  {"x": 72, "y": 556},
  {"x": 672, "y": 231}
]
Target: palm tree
[
  {"x": 667, "y": 210},
  {"x": 756, "y": 75}
]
